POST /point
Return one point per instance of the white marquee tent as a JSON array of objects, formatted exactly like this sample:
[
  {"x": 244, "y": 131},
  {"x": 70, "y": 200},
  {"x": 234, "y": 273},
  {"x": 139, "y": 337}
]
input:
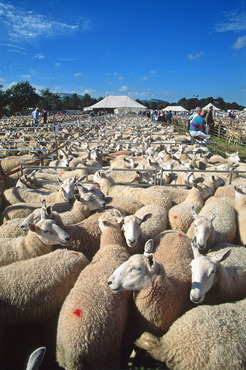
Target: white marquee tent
[
  {"x": 209, "y": 105},
  {"x": 119, "y": 103},
  {"x": 175, "y": 108}
]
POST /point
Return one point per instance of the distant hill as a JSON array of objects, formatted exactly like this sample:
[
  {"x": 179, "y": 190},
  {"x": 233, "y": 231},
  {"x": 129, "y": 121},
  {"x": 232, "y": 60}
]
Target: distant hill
[
  {"x": 64, "y": 95},
  {"x": 153, "y": 100}
]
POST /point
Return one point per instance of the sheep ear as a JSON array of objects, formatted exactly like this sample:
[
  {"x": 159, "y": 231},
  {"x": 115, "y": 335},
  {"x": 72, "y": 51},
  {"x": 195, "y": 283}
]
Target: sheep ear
[
  {"x": 43, "y": 204},
  {"x": 146, "y": 217},
  {"x": 149, "y": 246},
  {"x": 221, "y": 256},
  {"x": 77, "y": 197},
  {"x": 195, "y": 248},
  {"x": 36, "y": 358},
  {"x": 118, "y": 215},
  {"x": 49, "y": 211},
  {"x": 32, "y": 227},
  {"x": 150, "y": 260},
  {"x": 193, "y": 212}
]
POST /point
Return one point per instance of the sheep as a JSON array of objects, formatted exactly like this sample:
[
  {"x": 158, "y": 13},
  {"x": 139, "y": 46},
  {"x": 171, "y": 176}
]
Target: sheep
[
  {"x": 33, "y": 290},
  {"x": 221, "y": 228},
  {"x": 177, "y": 195},
  {"x": 160, "y": 281},
  {"x": 180, "y": 217},
  {"x": 240, "y": 208},
  {"x": 63, "y": 160},
  {"x": 21, "y": 210},
  {"x": 17, "y": 226},
  {"x": 203, "y": 230},
  {"x": 154, "y": 225},
  {"x": 129, "y": 205},
  {"x": 206, "y": 337},
  {"x": 16, "y": 195},
  {"x": 83, "y": 206},
  {"x": 145, "y": 196},
  {"x": 92, "y": 320},
  {"x": 225, "y": 191},
  {"x": 39, "y": 240},
  {"x": 186, "y": 177},
  {"x": 131, "y": 228},
  {"x": 214, "y": 282}
]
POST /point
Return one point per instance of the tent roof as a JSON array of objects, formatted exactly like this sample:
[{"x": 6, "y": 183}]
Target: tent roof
[
  {"x": 175, "y": 108},
  {"x": 209, "y": 105},
  {"x": 117, "y": 102}
]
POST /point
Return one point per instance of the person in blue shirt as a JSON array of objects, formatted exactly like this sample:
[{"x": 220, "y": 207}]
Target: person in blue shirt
[
  {"x": 197, "y": 127},
  {"x": 196, "y": 111}
]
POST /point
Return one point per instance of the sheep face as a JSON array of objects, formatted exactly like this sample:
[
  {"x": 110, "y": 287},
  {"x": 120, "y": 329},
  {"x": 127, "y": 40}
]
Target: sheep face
[
  {"x": 91, "y": 201},
  {"x": 203, "y": 227},
  {"x": 49, "y": 232},
  {"x": 134, "y": 274},
  {"x": 67, "y": 187},
  {"x": 131, "y": 229},
  {"x": 203, "y": 271}
]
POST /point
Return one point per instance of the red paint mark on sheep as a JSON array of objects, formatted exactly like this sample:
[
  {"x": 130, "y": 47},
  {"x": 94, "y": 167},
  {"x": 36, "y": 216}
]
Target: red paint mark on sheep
[
  {"x": 77, "y": 312},
  {"x": 6, "y": 223},
  {"x": 76, "y": 253},
  {"x": 181, "y": 236},
  {"x": 175, "y": 216},
  {"x": 156, "y": 187},
  {"x": 134, "y": 202}
]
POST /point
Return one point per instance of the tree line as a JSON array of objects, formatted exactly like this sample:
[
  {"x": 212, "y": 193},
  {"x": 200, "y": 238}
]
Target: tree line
[{"x": 22, "y": 96}]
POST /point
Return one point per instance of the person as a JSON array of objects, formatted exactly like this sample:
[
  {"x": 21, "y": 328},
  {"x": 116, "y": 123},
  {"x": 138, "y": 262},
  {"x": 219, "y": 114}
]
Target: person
[
  {"x": 45, "y": 115},
  {"x": 196, "y": 111},
  {"x": 35, "y": 117},
  {"x": 209, "y": 120},
  {"x": 197, "y": 127},
  {"x": 169, "y": 117}
]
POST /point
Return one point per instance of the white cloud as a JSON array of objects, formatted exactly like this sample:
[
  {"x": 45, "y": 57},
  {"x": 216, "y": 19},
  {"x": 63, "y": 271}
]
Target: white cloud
[
  {"x": 240, "y": 43},
  {"x": 20, "y": 24},
  {"x": 121, "y": 78},
  {"x": 153, "y": 71},
  {"x": 231, "y": 21},
  {"x": 77, "y": 74},
  {"x": 123, "y": 88},
  {"x": 57, "y": 64},
  {"x": 144, "y": 78},
  {"x": 39, "y": 56},
  {"x": 26, "y": 76},
  {"x": 89, "y": 91},
  {"x": 196, "y": 56}
]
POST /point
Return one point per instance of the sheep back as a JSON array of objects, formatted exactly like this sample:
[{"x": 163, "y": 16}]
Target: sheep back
[
  {"x": 206, "y": 337},
  {"x": 33, "y": 290}
]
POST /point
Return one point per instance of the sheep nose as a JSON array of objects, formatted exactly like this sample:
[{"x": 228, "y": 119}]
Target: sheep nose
[{"x": 67, "y": 238}]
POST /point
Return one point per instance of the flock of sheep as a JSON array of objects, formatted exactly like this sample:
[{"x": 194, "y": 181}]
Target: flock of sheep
[{"x": 132, "y": 239}]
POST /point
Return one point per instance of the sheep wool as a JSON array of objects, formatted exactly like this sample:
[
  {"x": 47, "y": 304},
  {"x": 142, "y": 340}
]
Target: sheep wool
[
  {"x": 206, "y": 337},
  {"x": 34, "y": 289},
  {"x": 92, "y": 320}
]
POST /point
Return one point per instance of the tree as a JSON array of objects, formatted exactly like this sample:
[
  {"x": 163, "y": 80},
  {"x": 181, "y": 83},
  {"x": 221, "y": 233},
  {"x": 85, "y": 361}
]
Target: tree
[
  {"x": 3, "y": 101},
  {"x": 50, "y": 101},
  {"x": 75, "y": 102},
  {"x": 21, "y": 96},
  {"x": 87, "y": 100}
]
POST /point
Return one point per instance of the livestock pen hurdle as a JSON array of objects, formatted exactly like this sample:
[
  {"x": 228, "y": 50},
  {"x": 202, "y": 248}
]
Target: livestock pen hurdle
[{"x": 87, "y": 169}]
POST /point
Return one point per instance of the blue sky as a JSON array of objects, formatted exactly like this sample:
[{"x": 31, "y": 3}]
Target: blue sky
[{"x": 146, "y": 49}]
